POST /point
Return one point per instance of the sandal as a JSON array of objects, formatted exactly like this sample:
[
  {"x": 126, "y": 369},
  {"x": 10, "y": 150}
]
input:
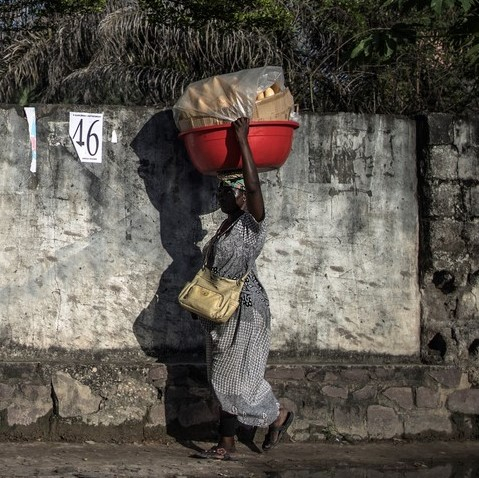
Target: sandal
[
  {"x": 269, "y": 443},
  {"x": 216, "y": 453}
]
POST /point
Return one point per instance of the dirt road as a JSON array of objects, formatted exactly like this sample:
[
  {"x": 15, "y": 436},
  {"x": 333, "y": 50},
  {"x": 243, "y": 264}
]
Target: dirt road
[{"x": 99, "y": 460}]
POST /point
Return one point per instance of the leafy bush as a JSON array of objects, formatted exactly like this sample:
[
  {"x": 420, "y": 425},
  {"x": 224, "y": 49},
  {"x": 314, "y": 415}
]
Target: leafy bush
[{"x": 370, "y": 56}]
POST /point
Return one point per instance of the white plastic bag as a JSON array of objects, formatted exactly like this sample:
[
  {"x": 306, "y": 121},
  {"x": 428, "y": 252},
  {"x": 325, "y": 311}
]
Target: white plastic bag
[{"x": 227, "y": 97}]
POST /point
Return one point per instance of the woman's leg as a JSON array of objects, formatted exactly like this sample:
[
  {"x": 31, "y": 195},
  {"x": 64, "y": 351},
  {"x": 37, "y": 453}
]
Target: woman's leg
[
  {"x": 277, "y": 429},
  {"x": 226, "y": 442},
  {"x": 227, "y": 431}
]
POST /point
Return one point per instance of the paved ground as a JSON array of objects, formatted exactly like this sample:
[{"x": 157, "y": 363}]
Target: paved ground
[{"x": 97, "y": 460}]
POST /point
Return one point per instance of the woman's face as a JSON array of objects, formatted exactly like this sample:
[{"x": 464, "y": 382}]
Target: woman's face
[{"x": 230, "y": 199}]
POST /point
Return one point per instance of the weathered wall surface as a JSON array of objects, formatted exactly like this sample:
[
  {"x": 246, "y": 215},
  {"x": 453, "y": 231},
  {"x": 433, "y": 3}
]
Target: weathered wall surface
[
  {"x": 343, "y": 244},
  {"x": 450, "y": 239},
  {"x": 93, "y": 255}
]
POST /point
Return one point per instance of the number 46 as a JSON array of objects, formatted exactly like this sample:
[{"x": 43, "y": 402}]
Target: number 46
[{"x": 91, "y": 138}]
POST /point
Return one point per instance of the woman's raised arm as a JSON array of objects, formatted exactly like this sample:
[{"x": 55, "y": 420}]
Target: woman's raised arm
[{"x": 254, "y": 196}]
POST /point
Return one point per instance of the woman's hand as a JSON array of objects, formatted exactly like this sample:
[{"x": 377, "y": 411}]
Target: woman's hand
[
  {"x": 241, "y": 127},
  {"x": 254, "y": 196}
]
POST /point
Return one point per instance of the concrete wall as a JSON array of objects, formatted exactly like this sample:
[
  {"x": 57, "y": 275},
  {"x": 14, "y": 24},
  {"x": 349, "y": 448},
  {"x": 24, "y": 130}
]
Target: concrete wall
[
  {"x": 94, "y": 345},
  {"x": 344, "y": 241},
  {"x": 450, "y": 239},
  {"x": 93, "y": 255}
]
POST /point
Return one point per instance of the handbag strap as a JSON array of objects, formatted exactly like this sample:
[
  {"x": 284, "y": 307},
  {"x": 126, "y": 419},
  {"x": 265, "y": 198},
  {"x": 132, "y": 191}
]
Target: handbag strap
[
  {"x": 237, "y": 280},
  {"x": 246, "y": 275},
  {"x": 210, "y": 244}
]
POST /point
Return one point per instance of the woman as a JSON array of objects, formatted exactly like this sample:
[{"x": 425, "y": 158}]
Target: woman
[{"x": 237, "y": 351}]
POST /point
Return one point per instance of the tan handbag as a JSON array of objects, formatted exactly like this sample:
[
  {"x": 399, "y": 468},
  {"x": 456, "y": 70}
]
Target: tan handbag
[{"x": 211, "y": 296}]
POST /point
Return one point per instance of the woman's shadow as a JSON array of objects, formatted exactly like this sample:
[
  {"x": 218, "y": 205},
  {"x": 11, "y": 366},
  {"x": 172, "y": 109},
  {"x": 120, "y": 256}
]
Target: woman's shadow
[{"x": 164, "y": 330}]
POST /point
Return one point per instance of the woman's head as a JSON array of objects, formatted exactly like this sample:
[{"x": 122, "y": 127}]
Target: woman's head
[{"x": 231, "y": 193}]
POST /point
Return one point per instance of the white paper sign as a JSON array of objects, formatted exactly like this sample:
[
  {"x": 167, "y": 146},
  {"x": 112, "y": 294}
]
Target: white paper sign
[
  {"x": 32, "y": 129},
  {"x": 86, "y": 133}
]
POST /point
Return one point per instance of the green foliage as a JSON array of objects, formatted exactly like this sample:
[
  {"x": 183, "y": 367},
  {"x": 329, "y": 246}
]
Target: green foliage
[
  {"x": 454, "y": 21},
  {"x": 268, "y": 15},
  {"x": 432, "y": 47},
  {"x": 25, "y": 13},
  {"x": 74, "y": 6},
  {"x": 385, "y": 42},
  {"x": 369, "y": 56},
  {"x": 24, "y": 97}
]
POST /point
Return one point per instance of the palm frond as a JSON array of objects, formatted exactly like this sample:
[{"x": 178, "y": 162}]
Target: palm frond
[{"x": 24, "y": 65}]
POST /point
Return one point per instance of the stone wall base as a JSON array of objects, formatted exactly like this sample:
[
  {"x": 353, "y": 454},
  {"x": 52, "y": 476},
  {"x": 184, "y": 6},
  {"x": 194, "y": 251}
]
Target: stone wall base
[{"x": 131, "y": 402}]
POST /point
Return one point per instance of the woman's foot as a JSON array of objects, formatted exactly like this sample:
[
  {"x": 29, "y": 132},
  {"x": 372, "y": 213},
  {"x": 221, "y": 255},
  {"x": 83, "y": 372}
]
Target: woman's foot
[
  {"x": 278, "y": 428},
  {"x": 224, "y": 450},
  {"x": 215, "y": 453},
  {"x": 227, "y": 443}
]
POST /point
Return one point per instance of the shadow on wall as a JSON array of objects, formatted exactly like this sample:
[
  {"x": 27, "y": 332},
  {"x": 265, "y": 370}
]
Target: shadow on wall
[{"x": 180, "y": 194}]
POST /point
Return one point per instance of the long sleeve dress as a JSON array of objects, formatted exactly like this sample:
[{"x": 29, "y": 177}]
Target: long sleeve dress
[{"x": 237, "y": 351}]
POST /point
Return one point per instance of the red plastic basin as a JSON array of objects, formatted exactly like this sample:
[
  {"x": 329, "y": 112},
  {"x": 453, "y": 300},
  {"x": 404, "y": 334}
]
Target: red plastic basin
[{"x": 215, "y": 148}]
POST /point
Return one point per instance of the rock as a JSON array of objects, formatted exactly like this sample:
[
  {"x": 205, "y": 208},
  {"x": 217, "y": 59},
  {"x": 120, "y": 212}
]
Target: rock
[
  {"x": 400, "y": 395},
  {"x": 28, "y": 404},
  {"x": 445, "y": 200},
  {"x": 126, "y": 401},
  {"x": 73, "y": 398},
  {"x": 6, "y": 394},
  {"x": 365, "y": 393},
  {"x": 156, "y": 415},
  {"x": 467, "y": 165},
  {"x": 443, "y": 162},
  {"x": 335, "y": 392},
  {"x": 427, "y": 398},
  {"x": 423, "y": 423},
  {"x": 383, "y": 422},
  {"x": 464, "y": 401},
  {"x": 355, "y": 375},
  {"x": 474, "y": 201},
  {"x": 467, "y": 307},
  {"x": 300, "y": 425},
  {"x": 349, "y": 422},
  {"x": 450, "y": 377},
  {"x": 289, "y": 404},
  {"x": 331, "y": 377},
  {"x": 158, "y": 372}
]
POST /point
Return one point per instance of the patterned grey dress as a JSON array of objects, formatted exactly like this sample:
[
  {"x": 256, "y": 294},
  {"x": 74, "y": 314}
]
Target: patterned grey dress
[{"x": 236, "y": 352}]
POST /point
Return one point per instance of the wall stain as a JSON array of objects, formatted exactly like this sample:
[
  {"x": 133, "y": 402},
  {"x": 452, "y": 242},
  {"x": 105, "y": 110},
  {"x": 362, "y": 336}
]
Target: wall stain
[
  {"x": 301, "y": 273},
  {"x": 343, "y": 165},
  {"x": 306, "y": 242},
  {"x": 353, "y": 189},
  {"x": 320, "y": 167},
  {"x": 347, "y": 335}
]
